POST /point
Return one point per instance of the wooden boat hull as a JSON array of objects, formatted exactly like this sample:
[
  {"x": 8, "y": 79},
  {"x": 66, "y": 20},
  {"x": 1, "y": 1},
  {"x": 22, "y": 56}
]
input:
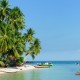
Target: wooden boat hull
[{"x": 41, "y": 66}]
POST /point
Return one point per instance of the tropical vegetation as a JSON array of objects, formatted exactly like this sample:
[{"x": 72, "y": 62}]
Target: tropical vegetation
[{"x": 13, "y": 41}]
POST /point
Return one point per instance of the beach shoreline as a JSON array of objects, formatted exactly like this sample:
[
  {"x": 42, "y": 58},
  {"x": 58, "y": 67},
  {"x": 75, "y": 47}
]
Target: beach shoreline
[{"x": 16, "y": 69}]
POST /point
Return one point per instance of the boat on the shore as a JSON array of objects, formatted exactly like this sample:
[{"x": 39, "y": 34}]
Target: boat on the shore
[
  {"x": 10, "y": 71},
  {"x": 43, "y": 65}
]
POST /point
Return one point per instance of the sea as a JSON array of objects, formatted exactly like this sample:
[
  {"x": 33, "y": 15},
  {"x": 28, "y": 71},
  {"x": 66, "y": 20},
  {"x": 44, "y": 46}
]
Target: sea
[{"x": 61, "y": 70}]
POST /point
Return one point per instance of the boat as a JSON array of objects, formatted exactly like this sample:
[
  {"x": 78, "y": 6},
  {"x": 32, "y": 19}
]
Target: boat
[
  {"x": 10, "y": 71},
  {"x": 43, "y": 65}
]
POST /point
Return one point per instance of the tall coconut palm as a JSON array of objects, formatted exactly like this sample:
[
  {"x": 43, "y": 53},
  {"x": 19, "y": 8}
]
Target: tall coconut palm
[
  {"x": 4, "y": 27},
  {"x": 16, "y": 18},
  {"x": 12, "y": 40}
]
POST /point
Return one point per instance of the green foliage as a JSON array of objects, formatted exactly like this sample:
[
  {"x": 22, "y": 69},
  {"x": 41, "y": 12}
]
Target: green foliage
[
  {"x": 20, "y": 61},
  {"x": 2, "y": 64},
  {"x": 12, "y": 41},
  {"x": 34, "y": 48}
]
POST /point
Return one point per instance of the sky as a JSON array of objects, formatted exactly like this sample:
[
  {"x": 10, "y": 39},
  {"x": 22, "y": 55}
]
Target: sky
[{"x": 56, "y": 24}]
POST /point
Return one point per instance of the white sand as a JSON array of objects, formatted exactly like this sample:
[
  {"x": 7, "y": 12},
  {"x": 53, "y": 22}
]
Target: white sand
[{"x": 15, "y": 69}]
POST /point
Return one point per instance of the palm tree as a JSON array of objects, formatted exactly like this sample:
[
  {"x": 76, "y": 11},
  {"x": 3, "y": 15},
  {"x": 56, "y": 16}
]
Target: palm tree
[
  {"x": 34, "y": 48},
  {"x": 4, "y": 10},
  {"x": 12, "y": 41},
  {"x": 28, "y": 36},
  {"x": 5, "y": 30},
  {"x": 16, "y": 18}
]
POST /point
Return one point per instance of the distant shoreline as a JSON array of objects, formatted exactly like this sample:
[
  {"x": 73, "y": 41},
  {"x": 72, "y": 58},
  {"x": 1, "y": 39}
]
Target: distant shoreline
[{"x": 54, "y": 62}]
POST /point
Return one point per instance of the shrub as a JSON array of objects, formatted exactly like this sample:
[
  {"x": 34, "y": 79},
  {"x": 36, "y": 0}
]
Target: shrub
[
  {"x": 2, "y": 64},
  {"x": 19, "y": 61}
]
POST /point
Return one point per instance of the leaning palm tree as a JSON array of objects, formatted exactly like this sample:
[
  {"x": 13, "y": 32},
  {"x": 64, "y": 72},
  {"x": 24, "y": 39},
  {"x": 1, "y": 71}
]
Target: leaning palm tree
[{"x": 34, "y": 48}]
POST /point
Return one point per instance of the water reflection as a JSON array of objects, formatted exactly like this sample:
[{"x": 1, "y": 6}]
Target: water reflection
[
  {"x": 24, "y": 75},
  {"x": 32, "y": 75},
  {"x": 35, "y": 75},
  {"x": 12, "y": 76}
]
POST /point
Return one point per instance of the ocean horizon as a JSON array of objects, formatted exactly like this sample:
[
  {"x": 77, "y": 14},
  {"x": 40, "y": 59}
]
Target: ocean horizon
[{"x": 55, "y": 62}]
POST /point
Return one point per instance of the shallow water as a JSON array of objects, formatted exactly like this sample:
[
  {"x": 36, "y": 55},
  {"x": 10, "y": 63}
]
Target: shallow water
[{"x": 56, "y": 72}]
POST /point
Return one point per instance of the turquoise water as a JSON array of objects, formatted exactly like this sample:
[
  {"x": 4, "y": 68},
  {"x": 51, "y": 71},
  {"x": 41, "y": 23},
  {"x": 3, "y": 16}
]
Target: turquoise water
[{"x": 56, "y": 72}]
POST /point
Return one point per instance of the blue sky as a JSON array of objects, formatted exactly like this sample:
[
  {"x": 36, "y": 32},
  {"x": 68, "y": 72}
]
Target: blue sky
[{"x": 57, "y": 25}]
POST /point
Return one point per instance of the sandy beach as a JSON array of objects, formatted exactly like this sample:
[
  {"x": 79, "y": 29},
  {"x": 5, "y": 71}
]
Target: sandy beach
[{"x": 15, "y": 69}]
